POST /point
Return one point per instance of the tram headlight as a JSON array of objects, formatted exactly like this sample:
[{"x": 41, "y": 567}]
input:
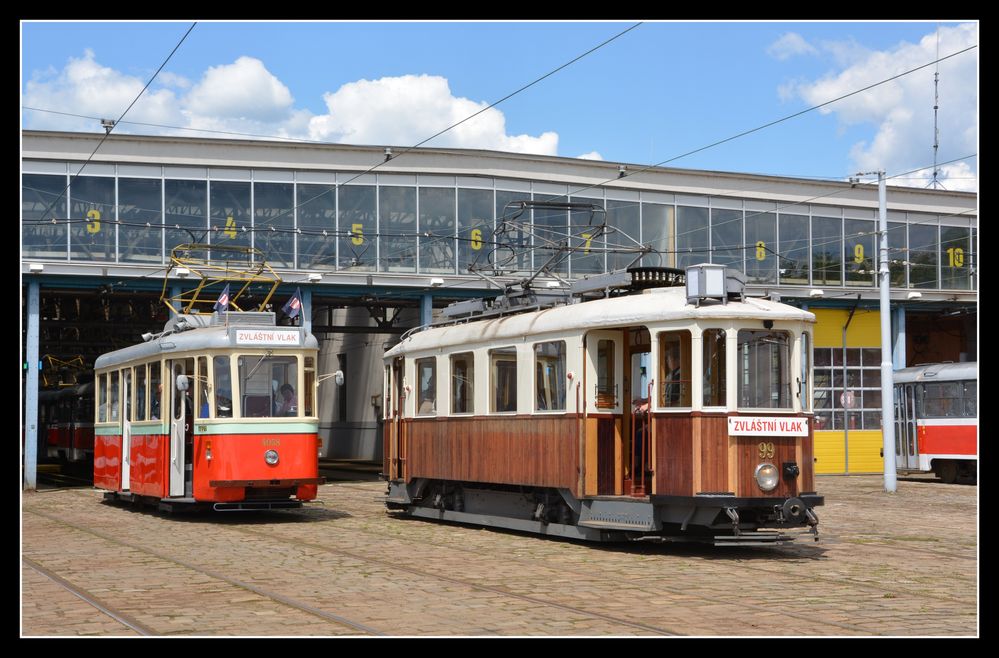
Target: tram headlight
[
  {"x": 767, "y": 476},
  {"x": 271, "y": 457}
]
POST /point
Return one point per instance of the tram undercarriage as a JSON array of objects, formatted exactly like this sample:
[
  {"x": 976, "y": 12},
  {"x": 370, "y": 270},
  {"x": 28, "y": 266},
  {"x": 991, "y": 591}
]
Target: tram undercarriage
[{"x": 722, "y": 520}]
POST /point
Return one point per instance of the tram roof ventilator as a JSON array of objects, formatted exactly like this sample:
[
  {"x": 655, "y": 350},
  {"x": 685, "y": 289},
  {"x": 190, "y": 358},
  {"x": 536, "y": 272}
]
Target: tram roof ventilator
[{"x": 714, "y": 281}]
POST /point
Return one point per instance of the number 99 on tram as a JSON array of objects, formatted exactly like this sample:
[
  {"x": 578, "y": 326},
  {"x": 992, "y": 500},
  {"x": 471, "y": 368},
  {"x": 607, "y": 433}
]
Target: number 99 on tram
[{"x": 215, "y": 412}]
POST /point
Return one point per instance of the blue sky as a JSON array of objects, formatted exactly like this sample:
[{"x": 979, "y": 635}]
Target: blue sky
[{"x": 659, "y": 91}]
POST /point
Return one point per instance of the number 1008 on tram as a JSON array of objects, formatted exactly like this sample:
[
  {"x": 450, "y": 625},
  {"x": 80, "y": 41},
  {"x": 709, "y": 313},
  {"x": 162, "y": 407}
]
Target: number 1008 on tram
[
  {"x": 657, "y": 411},
  {"x": 216, "y": 411}
]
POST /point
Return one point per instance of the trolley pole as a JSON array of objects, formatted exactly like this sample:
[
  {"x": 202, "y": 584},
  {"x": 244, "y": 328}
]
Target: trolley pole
[{"x": 887, "y": 376}]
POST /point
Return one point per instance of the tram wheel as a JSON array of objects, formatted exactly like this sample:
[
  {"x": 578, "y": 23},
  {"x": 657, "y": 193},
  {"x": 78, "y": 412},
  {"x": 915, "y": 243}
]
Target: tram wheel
[{"x": 947, "y": 471}]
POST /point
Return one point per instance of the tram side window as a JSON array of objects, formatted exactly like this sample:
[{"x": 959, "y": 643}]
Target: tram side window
[
  {"x": 606, "y": 392},
  {"x": 102, "y": 399},
  {"x": 970, "y": 399},
  {"x": 223, "y": 387},
  {"x": 549, "y": 376},
  {"x": 946, "y": 400},
  {"x": 140, "y": 392},
  {"x": 201, "y": 387},
  {"x": 462, "y": 383},
  {"x": 113, "y": 404},
  {"x": 714, "y": 367},
  {"x": 310, "y": 386},
  {"x": 426, "y": 376},
  {"x": 267, "y": 385},
  {"x": 806, "y": 362},
  {"x": 764, "y": 369},
  {"x": 675, "y": 369},
  {"x": 155, "y": 391},
  {"x": 503, "y": 379}
]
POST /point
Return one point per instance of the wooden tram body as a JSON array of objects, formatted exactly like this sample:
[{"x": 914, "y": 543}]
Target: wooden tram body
[
  {"x": 936, "y": 420},
  {"x": 191, "y": 417},
  {"x": 542, "y": 420}
]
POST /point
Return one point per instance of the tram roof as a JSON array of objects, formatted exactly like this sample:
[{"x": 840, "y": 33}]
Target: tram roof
[
  {"x": 653, "y": 306},
  {"x": 937, "y": 372},
  {"x": 201, "y": 339}
]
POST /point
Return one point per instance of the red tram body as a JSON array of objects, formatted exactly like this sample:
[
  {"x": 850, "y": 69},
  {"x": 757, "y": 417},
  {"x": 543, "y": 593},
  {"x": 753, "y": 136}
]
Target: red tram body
[
  {"x": 200, "y": 412},
  {"x": 651, "y": 415},
  {"x": 936, "y": 420}
]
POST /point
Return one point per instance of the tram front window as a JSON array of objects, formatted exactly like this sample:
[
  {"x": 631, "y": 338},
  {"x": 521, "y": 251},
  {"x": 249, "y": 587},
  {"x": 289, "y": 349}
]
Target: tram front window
[
  {"x": 764, "y": 369},
  {"x": 264, "y": 382}
]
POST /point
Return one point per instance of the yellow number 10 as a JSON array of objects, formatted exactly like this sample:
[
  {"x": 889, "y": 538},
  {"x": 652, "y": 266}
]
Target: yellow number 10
[{"x": 956, "y": 256}]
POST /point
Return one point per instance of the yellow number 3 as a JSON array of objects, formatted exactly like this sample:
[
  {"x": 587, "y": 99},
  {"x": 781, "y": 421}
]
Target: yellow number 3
[{"x": 94, "y": 225}]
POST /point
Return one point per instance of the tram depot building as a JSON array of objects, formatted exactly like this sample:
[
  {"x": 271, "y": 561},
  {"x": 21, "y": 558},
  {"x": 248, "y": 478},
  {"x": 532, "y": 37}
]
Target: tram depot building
[{"x": 377, "y": 253}]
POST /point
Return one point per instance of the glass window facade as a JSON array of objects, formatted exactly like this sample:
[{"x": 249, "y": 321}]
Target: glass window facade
[
  {"x": 415, "y": 224},
  {"x": 861, "y": 407}
]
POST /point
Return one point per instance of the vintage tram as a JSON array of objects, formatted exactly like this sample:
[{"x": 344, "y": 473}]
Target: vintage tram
[
  {"x": 670, "y": 412},
  {"x": 66, "y": 423},
  {"x": 216, "y": 411},
  {"x": 936, "y": 420}
]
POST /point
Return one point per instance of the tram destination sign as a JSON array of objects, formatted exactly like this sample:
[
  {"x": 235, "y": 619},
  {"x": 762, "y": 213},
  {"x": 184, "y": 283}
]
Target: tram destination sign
[
  {"x": 267, "y": 337},
  {"x": 767, "y": 426}
]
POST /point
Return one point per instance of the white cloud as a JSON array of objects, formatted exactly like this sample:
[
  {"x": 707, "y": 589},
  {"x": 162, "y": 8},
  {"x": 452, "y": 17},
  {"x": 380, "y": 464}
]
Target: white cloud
[
  {"x": 244, "y": 97},
  {"x": 242, "y": 90},
  {"x": 409, "y": 108},
  {"x": 85, "y": 87},
  {"x": 902, "y": 110},
  {"x": 790, "y": 45},
  {"x": 592, "y": 155}
]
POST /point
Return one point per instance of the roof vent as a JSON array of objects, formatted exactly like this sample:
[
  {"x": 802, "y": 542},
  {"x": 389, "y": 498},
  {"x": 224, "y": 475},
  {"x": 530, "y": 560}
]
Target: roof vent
[{"x": 713, "y": 281}]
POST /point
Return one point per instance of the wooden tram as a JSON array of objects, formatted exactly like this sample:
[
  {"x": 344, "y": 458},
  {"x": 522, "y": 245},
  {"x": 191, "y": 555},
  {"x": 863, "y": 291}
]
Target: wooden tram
[
  {"x": 936, "y": 420},
  {"x": 197, "y": 415},
  {"x": 653, "y": 412}
]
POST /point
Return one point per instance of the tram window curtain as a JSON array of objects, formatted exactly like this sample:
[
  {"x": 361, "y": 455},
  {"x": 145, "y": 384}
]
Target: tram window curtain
[
  {"x": 503, "y": 372},
  {"x": 549, "y": 376},
  {"x": 462, "y": 383}
]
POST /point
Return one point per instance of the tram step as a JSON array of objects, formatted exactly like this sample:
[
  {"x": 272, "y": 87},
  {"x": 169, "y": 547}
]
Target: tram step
[{"x": 754, "y": 539}]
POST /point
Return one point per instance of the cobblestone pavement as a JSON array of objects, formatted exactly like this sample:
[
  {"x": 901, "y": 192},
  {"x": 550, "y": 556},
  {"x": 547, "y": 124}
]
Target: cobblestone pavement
[{"x": 899, "y": 565}]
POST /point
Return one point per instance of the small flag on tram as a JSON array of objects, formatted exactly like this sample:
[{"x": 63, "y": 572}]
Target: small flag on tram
[
  {"x": 222, "y": 305},
  {"x": 294, "y": 305}
]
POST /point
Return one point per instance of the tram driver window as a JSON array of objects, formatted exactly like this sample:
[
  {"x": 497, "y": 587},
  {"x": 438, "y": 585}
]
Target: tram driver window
[
  {"x": 503, "y": 379},
  {"x": 264, "y": 383},
  {"x": 223, "y": 387},
  {"x": 714, "y": 367},
  {"x": 764, "y": 369}
]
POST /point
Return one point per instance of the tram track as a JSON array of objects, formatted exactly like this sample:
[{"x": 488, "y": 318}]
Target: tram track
[
  {"x": 741, "y": 565},
  {"x": 273, "y": 596},
  {"x": 119, "y": 616}
]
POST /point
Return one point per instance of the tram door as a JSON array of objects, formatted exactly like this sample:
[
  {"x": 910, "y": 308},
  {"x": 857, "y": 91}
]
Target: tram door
[
  {"x": 397, "y": 443},
  {"x": 126, "y": 428},
  {"x": 636, "y": 417},
  {"x": 906, "y": 443},
  {"x": 181, "y": 427},
  {"x": 605, "y": 412}
]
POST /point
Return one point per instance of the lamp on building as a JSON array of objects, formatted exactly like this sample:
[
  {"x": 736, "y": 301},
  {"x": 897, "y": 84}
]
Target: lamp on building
[
  {"x": 315, "y": 277},
  {"x": 816, "y": 293},
  {"x": 36, "y": 267},
  {"x": 388, "y": 153},
  {"x": 621, "y": 171},
  {"x": 183, "y": 272},
  {"x": 436, "y": 282},
  {"x": 914, "y": 295}
]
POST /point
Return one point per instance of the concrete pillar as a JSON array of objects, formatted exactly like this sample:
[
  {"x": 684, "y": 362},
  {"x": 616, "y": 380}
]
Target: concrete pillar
[
  {"x": 898, "y": 337},
  {"x": 31, "y": 390},
  {"x": 426, "y": 309},
  {"x": 307, "y": 310}
]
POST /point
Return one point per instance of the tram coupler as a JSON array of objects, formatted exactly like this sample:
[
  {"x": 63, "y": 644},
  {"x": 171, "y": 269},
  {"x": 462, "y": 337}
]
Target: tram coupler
[{"x": 734, "y": 515}]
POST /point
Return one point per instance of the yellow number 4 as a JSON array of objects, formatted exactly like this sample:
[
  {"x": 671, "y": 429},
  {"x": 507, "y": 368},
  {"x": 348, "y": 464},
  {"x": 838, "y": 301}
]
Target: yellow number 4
[{"x": 230, "y": 228}]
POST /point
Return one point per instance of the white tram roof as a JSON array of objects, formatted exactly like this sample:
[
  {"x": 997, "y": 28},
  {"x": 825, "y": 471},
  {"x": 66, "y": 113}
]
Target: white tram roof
[
  {"x": 653, "y": 306},
  {"x": 945, "y": 372},
  {"x": 205, "y": 337}
]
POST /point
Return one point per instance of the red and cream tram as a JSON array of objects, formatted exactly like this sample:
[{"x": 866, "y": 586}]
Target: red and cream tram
[
  {"x": 936, "y": 420},
  {"x": 67, "y": 423},
  {"x": 656, "y": 412},
  {"x": 218, "y": 410}
]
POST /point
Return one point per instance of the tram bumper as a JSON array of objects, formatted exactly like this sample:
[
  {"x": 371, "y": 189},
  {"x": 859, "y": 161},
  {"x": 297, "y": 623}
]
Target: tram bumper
[{"x": 738, "y": 512}]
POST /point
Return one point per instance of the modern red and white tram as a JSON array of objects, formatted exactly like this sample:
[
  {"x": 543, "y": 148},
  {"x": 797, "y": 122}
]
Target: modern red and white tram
[
  {"x": 216, "y": 411},
  {"x": 936, "y": 420},
  {"x": 653, "y": 412}
]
